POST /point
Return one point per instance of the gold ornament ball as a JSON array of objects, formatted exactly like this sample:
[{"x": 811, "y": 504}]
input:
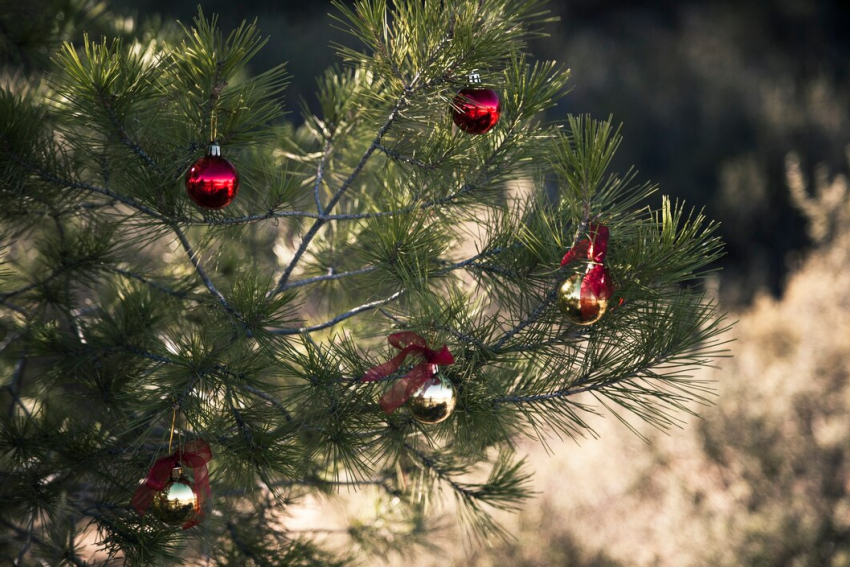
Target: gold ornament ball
[
  {"x": 569, "y": 302},
  {"x": 433, "y": 402},
  {"x": 177, "y": 503}
]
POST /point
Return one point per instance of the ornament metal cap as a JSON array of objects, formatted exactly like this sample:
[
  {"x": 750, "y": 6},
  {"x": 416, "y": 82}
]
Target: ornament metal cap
[
  {"x": 474, "y": 77},
  {"x": 214, "y": 149},
  {"x": 177, "y": 472}
]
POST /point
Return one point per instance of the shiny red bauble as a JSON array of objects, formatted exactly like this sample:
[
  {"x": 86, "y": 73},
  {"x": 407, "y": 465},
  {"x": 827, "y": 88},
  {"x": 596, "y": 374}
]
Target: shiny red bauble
[
  {"x": 212, "y": 182},
  {"x": 476, "y": 111}
]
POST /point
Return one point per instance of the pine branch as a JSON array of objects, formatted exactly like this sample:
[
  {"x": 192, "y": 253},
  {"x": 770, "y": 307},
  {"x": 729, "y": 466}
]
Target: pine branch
[
  {"x": 72, "y": 266},
  {"x": 505, "y": 487},
  {"x": 381, "y": 482},
  {"x": 432, "y": 464},
  {"x": 16, "y": 308},
  {"x": 218, "y": 85},
  {"x": 321, "y": 218},
  {"x": 269, "y": 398},
  {"x": 532, "y": 317},
  {"x": 557, "y": 340},
  {"x": 134, "y": 204},
  {"x": 305, "y": 241},
  {"x": 578, "y": 387},
  {"x": 30, "y": 536},
  {"x": 276, "y": 214},
  {"x": 237, "y": 416},
  {"x": 123, "y": 135},
  {"x": 47, "y": 176},
  {"x": 472, "y": 259},
  {"x": 257, "y": 217},
  {"x": 341, "y": 317},
  {"x": 330, "y": 277},
  {"x": 243, "y": 548},
  {"x": 62, "y": 270},
  {"x": 198, "y": 374},
  {"x": 483, "y": 177},
  {"x": 55, "y": 274},
  {"x": 468, "y": 339},
  {"x": 193, "y": 257},
  {"x": 468, "y": 263},
  {"x": 685, "y": 339},
  {"x": 323, "y": 531},
  {"x": 188, "y": 388},
  {"x": 552, "y": 295},
  {"x": 409, "y": 90},
  {"x": 405, "y": 159},
  {"x": 151, "y": 356}
]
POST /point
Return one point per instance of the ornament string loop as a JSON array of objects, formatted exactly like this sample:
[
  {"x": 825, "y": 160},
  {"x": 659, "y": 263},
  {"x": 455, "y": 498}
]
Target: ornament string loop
[
  {"x": 596, "y": 284},
  {"x": 408, "y": 343},
  {"x": 174, "y": 408},
  {"x": 195, "y": 455},
  {"x": 213, "y": 125}
]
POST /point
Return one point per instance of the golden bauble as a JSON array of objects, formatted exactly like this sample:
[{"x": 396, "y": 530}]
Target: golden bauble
[
  {"x": 570, "y": 302},
  {"x": 433, "y": 402},
  {"x": 177, "y": 503}
]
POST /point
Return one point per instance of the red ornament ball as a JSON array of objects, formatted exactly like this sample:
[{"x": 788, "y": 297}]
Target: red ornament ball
[
  {"x": 476, "y": 111},
  {"x": 212, "y": 181}
]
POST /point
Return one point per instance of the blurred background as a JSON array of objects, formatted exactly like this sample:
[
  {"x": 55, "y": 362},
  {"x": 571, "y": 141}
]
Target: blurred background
[{"x": 741, "y": 108}]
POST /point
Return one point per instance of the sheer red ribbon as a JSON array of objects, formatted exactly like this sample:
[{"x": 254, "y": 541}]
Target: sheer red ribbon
[
  {"x": 195, "y": 455},
  {"x": 597, "y": 283},
  {"x": 408, "y": 343}
]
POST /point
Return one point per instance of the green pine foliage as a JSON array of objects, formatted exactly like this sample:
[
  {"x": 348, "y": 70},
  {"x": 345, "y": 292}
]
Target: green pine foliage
[{"x": 120, "y": 298}]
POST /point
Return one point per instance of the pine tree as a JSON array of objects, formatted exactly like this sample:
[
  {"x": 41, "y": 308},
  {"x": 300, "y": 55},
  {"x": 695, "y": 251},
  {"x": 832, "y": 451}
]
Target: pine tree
[{"x": 131, "y": 316}]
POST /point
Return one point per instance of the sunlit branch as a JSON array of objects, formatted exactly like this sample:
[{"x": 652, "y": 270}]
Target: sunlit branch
[
  {"x": 330, "y": 277},
  {"x": 341, "y": 317},
  {"x": 305, "y": 242}
]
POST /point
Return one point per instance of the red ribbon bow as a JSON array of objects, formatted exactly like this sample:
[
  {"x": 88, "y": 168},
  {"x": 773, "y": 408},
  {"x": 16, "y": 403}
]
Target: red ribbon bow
[
  {"x": 596, "y": 284},
  {"x": 195, "y": 455},
  {"x": 409, "y": 343}
]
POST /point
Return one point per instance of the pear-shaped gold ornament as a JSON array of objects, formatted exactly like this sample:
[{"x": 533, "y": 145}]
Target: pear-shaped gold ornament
[{"x": 580, "y": 310}]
